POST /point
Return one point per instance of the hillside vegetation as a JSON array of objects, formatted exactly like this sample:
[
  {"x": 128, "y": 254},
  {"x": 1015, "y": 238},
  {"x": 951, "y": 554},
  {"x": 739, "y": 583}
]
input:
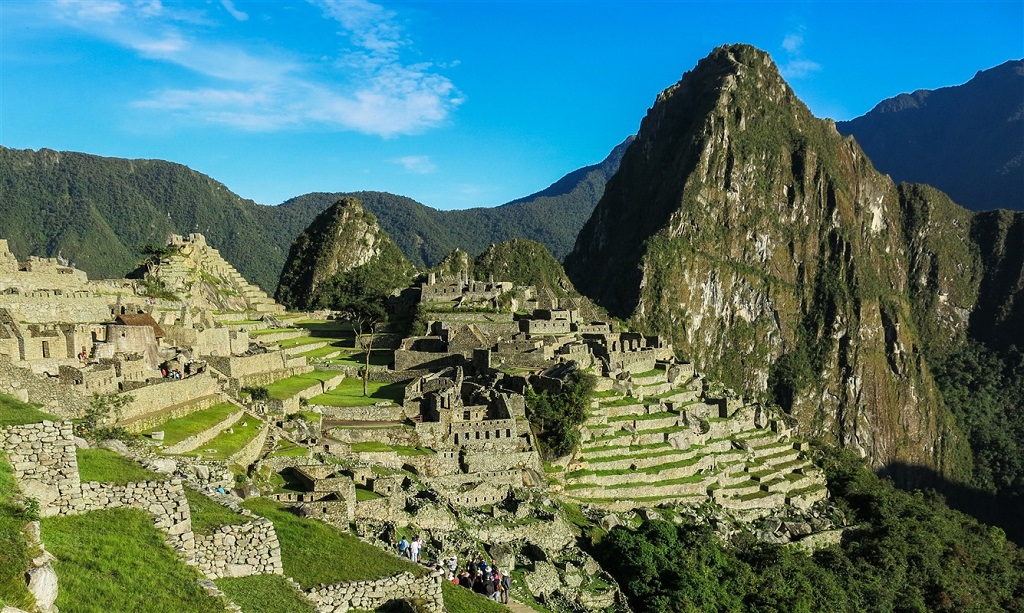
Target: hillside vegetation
[{"x": 99, "y": 212}]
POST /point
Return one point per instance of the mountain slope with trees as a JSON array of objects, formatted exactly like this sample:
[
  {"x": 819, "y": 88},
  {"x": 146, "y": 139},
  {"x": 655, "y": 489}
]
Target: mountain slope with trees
[
  {"x": 966, "y": 140},
  {"x": 99, "y": 212}
]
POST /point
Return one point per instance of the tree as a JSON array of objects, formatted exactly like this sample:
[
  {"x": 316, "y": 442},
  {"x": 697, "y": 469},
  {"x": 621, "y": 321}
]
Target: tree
[{"x": 365, "y": 316}]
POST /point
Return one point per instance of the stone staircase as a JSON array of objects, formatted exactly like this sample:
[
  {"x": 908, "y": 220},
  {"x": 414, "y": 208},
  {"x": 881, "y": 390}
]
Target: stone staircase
[{"x": 197, "y": 260}]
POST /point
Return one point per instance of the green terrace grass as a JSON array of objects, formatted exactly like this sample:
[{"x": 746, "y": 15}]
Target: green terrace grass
[
  {"x": 14, "y": 550},
  {"x": 622, "y": 402},
  {"x": 461, "y": 600},
  {"x": 264, "y": 594},
  {"x": 311, "y": 416},
  {"x": 298, "y": 341},
  {"x": 289, "y": 452},
  {"x": 14, "y": 412},
  {"x": 607, "y": 394},
  {"x": 378, "y": 357},
  {"x": 321, "y": 353},
  {"x": 208, "y": 514},
  {"x": 652, "y": 470},
  {"x": 226, "y": 444},
  {"x": 179, "y": 429},
  {"x": 282, "y": 389},
  {"x": 115, "y": 560},
  {"x": 663, "y": 483},
  {"x": 350, "y": 393},
  {"x": 109, "y": 466},
  {"x": 641, "y": 456},
  {"x": 402, "y": 450},
  {"x": 313, "y": 552},
  {"x": 647, "y": 374},
  {"x": 645, "y": 417},
  {"x": 364, "y": 494}
]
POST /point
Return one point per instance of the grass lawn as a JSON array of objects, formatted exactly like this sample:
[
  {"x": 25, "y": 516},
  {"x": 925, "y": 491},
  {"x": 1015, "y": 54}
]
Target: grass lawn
[
  {"x": 323, "y": 352},
  {"x": 109, "y": 466},
  {"x": 229, "y": 443},
  {"x": 115, "y": 560},
  {"x": 14, "y": 553},
  {"x": 14, "y": 412},
  {"x": 208, "y": 514},
  {"x": 283, "y": 389},
  {"x": 350, "y": 393},
  {"x": 364, "y": 494},
  {"x": 179, "y": 429},
  {"x": 264, "y": 594},
  {"x": 460, "y": 600},
  {"x": 378, "y": 357},
  {"x": 313, "y": 552}
]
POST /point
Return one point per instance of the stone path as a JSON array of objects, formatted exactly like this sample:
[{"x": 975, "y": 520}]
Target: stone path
[{"x": 518, "y": 607}]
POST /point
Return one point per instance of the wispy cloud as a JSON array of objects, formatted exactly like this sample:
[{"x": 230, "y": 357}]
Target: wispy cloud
[
  {"x": 229, "y": 6},
  {"x": 796, "y": 65},
  {"x": 416, "y": 164},
  {"x": 366, "y": 87}
]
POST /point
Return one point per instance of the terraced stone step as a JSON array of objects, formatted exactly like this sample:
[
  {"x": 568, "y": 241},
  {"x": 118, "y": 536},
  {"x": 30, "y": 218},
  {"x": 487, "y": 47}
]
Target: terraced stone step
[{"x": 694, "y": 487}]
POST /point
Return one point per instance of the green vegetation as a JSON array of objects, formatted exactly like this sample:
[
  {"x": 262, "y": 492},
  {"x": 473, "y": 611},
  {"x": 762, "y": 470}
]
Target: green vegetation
[
  {"x": 208, "y": 514},
  {"x": 231, "y": 441},
  {"x": 264, "y": 594},
  {"x": 109, "y": 466},
  {"x": 283, "y": 389},
  {"x": 313, "y": 552},
  {"x": 402, "y": 450},
  {"x": 179, "y": 429},
  {"x": 460, "y": 600},
  {"x": 115, "y": 560},
  {"x": 14, "y": 552},
  {"x": 14, "y": 412},
  {"x": 350, "y": 394},
  {"x": 558, "y": 416},
  {"x": 908, "y": 553}
]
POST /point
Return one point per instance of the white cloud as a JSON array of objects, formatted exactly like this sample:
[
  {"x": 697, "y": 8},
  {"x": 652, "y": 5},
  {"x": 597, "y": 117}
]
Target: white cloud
[
  {"x": 368, "y": 88},
  {"x": 229, "y": 6},
  {"x": 796, "y": 65},
  {"x": 792, "y": 42},
  {"x": 798, "y": 69},
  {"x": 416, "y": 164}
]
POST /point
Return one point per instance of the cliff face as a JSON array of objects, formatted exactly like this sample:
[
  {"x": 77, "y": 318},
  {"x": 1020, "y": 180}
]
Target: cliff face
[
  {"x": 776, "y": 258},
  {"x": 342, "y": 238}
]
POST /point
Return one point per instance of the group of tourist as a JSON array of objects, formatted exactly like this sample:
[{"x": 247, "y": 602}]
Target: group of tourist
[
  {"x": 483, "y": 578},
  {"x": 478, "y": 575}
]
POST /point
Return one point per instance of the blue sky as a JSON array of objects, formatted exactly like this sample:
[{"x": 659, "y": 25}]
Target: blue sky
[{"x": 455, "y": 103}]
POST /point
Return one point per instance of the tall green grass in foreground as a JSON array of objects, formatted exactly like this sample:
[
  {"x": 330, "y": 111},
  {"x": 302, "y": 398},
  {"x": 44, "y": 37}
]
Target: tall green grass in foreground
[
  {"x": 115, "y": 560},
  {"x": 14, "y": 553},
  {"x": 313, "y": 552},
  {"x": 461, "y": 600}
]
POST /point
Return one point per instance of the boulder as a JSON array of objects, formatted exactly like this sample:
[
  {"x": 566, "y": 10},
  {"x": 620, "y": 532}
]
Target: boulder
[
  {"x": 115, "y": 445},
  {"x": 42, "y": 584}
]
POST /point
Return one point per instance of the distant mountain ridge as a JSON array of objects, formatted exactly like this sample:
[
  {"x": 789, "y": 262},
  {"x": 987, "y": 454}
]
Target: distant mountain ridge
[
  {"x": 967, "y": 140},
  {"x": 98, "y": 211}
]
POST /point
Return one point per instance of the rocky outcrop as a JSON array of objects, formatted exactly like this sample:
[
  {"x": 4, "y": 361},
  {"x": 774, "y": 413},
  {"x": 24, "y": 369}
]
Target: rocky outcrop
[
  {"x": 343, "y": 238},
  {"x": 772, "y": 254}
]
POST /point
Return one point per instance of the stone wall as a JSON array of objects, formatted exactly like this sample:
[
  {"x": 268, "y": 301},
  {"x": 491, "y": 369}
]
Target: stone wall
[
  {"x": 371, "y": 594},
  {"x": 243, "y": 366},
  {"x": 49, "y": 308},
  {"x": 411, "y": 360},
  {"x": 205, "y": 436},
  {"x": 44, "y": 462},
  {"x": 368, "y": 413},
  {"x": 251, "y": 451},
  {"x": 164, "y": 500},
  {"x": 239, "y": 550},
  {"x": 60, "y": 400},
  {"x": 168, "y": 393}
]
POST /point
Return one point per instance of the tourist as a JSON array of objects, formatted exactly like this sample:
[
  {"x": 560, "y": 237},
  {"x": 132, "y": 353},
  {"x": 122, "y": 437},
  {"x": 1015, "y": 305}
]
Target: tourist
[
  {"x": 506, "y": 586},
  {"x": 403, "y": 548},
  {"x": 415, "y": 548}
]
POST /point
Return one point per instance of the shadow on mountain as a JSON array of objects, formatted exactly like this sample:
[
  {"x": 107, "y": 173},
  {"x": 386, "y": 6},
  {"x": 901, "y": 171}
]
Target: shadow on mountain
[{"x": 996, "y": 510}]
